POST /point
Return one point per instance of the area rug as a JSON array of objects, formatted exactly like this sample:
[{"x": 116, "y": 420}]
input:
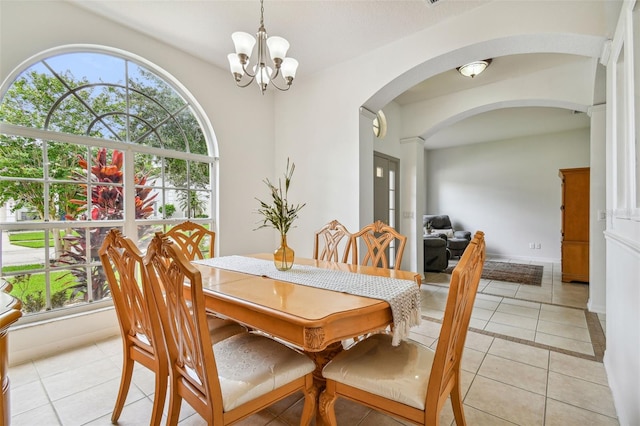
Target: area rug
[{"x": 510, "y": 272}]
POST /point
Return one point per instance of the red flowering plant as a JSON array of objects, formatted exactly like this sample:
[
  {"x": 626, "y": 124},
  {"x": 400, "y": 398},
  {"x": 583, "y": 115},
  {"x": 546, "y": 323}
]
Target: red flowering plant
[{"x": 107, "y": 203}]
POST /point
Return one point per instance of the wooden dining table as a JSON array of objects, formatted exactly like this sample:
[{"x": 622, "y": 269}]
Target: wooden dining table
[{"x": 315, "y": 320}]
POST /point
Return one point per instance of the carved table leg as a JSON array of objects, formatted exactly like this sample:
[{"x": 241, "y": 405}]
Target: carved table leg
[{"x": 321, "y": 359}]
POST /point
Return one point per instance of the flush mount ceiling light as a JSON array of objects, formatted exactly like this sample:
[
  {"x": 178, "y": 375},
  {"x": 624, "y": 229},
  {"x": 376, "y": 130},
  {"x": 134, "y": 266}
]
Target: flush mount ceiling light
[
  {"x": 261, "y": 73},
  {"x": 473, "y": 68}
]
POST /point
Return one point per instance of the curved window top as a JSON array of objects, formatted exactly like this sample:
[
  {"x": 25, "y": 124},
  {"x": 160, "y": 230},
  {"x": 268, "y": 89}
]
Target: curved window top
[{"x": 103, "y": 96}]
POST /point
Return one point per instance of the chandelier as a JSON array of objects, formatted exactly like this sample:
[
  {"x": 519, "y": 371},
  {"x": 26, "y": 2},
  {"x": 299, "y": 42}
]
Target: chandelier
[{"x": 261, "y": 72}]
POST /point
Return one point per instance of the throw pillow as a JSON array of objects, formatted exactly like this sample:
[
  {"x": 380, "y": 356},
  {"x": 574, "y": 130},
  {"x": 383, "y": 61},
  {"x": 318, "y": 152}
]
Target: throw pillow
[{"x": 447, "y": 232}]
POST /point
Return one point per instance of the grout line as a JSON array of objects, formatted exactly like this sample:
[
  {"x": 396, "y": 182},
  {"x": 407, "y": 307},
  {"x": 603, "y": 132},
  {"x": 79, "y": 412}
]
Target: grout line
[{"x": 526, "y": 342}]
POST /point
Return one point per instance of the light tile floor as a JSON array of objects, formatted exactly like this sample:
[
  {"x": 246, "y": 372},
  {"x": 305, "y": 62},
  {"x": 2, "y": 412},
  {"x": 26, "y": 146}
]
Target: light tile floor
[
  {"x": 551, "y": 314},
  {"x": 527, "y": 361}
]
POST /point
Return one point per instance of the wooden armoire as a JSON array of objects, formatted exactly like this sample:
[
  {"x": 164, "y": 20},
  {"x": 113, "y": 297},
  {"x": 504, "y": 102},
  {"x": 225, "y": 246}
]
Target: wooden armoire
[{"x": 575, "y": 224}]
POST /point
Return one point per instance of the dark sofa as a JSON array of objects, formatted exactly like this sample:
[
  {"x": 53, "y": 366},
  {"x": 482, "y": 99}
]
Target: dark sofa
[
  {"x": 457, "y": 241},
  {"x": 436, "y": 253}
]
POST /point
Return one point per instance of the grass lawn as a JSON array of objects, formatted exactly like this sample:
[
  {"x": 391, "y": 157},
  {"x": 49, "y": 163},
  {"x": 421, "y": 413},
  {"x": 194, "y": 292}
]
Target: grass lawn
[
  {"x": 33, "y": 239},
  {"x": 26, "y": 236},
  {"x": 30, "y": 239},
  {"x": 36, "y": 281}
]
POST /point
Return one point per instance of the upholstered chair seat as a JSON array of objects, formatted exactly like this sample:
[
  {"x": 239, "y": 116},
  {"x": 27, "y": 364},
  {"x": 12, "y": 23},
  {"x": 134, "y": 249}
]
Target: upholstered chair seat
[
  {"x": 220, "y": 329},
  {"x": 375, "y": 366},
  {"x": 251, "y": 365}
]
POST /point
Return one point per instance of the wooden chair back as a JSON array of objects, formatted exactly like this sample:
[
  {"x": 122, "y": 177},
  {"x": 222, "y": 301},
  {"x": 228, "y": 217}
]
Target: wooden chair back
[
  {"x": 445, "y": 372},
  {"x": 192, "y": 365},
  {"x": 330, "y": 241},
  {"x": 140, "y": 329},
  {"x": 378, "y": 237},
  {"x": 195, "y": 241},
  {"x": 194, "y": 371}
]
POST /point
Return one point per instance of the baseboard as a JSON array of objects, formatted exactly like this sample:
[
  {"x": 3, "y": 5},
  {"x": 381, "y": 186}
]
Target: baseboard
[
  {"x": 596, "y": 308},
  {"x": 45, "y": 338}
]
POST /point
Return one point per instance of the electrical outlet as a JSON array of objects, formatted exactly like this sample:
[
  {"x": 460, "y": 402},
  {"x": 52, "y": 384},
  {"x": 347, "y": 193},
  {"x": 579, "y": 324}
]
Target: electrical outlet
[{"x": 538, "y": 245}]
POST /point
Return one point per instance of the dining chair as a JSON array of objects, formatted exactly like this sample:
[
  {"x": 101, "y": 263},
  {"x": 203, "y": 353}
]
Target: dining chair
[
  {"x": 411, "y": 381},
  {"x": 378, "y": 238},
  {"x": 142, "y": 339},
  {"x": 196, "y": 241},
  {"x": 226, "y": 381},
  {"x": 330, "y": 240}
]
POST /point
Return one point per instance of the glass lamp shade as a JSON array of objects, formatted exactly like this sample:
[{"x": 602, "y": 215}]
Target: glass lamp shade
[
  {"x": 289, "y": 67},
  {"x": 243, "y": 42},
  {"x": 278, "y": 47},
  {"x": 234, "y": 64},
  {"x": 262, "y": 75},
  {"x": 473, "y": 68}
]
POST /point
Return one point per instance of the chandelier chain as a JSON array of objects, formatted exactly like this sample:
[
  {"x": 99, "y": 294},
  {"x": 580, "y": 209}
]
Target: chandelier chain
[{"x": 261, "y": 13}]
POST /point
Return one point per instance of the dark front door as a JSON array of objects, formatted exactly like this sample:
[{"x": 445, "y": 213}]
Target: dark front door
[{"x": 386, "y": 194}]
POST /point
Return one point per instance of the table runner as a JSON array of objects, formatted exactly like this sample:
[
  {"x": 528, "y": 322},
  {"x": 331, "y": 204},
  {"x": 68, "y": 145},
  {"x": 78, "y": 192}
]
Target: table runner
[{"x": 403, "y": 296}]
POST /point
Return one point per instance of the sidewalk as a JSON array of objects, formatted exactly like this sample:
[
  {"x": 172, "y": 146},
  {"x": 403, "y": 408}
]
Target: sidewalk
[{"x": 17, "y": 255}]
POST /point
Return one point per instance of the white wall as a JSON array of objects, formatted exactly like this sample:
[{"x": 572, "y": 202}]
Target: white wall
[{"x": 509, "y": 189}]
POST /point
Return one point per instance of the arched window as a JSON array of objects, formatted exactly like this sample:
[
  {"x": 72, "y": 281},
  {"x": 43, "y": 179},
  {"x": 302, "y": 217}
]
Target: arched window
[{"x": 91, "y": 140}]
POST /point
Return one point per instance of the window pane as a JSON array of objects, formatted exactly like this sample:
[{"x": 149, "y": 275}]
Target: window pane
[
  {"x": 30, "y": 98},
  {"x": 65, "y": 201},
  {"x": 636, "y": 96},
  {"x": 92, "y": 67},
  {"x": 21, "y": 157},
  {"x": 149, "y": 84},
  {"x": 72, "y": 115},
  {"x": 22, "y": 178},
  {"x": 107, "y": 108},
  {"x": 106, "y": 201},
  {"x": 146, "y": 202},
  {"x": 621, "y": 134},
  {"x": 200, "y": 204},
  {"x": 64, "y": 160},
  {"x": 146, "y": 234},
  {"x": 175, "y": 172},
  {"x": 151, "y": 166},
  {"x": 199, "y": 174},
  {"x": 196, "y": 142}
]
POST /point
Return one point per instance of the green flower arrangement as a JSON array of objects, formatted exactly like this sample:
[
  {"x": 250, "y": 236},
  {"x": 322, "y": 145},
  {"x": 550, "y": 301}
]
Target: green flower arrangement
[{"x": 279, "y": 214}]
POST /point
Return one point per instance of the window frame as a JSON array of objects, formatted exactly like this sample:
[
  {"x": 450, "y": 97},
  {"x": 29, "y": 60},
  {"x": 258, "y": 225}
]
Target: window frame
[{"x": 129, "y": 224}]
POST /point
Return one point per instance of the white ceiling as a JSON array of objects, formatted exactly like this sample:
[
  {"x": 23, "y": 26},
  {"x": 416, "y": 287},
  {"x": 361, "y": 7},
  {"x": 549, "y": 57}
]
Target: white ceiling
[
  {"x": 321, "y": 32},
  {"x": 325, "y": 33},
  {"x": 514, "y": 122}
]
